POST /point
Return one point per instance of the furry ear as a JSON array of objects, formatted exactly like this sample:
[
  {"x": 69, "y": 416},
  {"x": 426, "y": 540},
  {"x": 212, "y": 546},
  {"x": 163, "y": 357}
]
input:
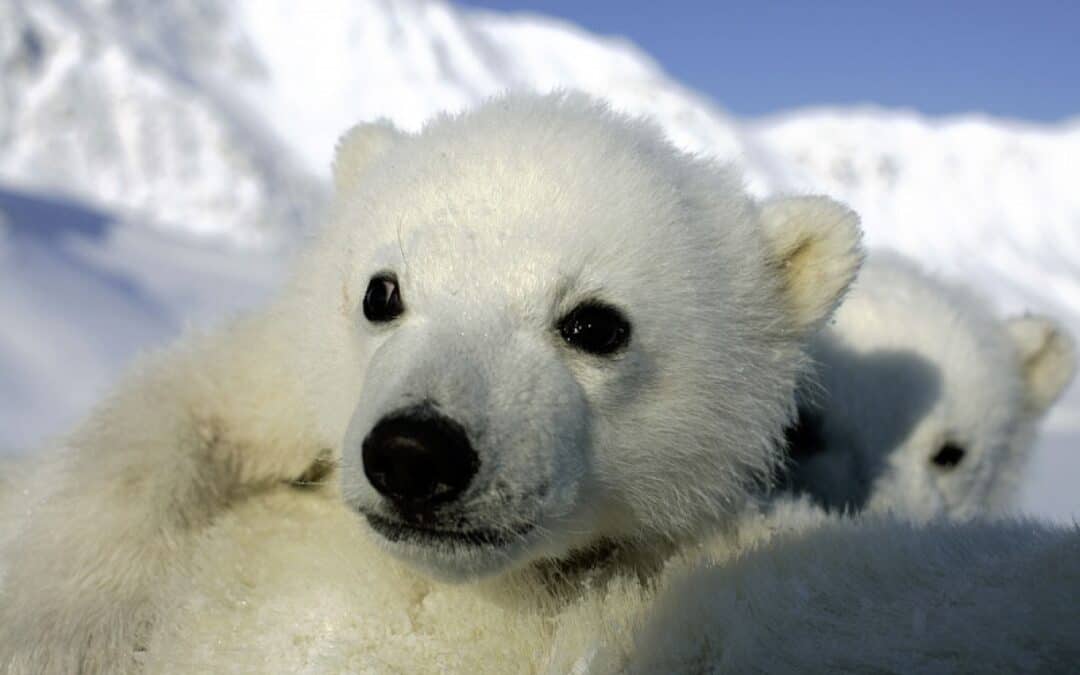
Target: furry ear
[
  {"x": 816, "y": 245},
  {"x": 358, "y": 147},
  {"x": 1047, "y": 357}
]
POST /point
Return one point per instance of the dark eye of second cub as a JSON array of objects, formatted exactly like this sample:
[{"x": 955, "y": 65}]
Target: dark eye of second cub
[
  {"x": 596, "y": 328},
  {"x": 382, "y": 300},
  {"x": 948, "y": 456}
]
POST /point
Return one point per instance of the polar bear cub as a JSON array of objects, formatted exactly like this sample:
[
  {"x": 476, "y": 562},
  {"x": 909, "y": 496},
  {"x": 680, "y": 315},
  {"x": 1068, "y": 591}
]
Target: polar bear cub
[
  {"x": 287, "y": 579},
  {"x": 923, "y": 402},
  {"x": 534, "y": 343}
]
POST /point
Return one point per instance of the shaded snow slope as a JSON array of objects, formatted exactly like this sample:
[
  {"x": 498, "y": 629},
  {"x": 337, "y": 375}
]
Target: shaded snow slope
[
  {"x": 81, "y": 294},
  {"x": 217, "y": 120}
]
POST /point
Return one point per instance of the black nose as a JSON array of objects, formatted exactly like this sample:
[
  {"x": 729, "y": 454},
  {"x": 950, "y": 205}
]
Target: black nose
[{"x": 419, "y": 458}]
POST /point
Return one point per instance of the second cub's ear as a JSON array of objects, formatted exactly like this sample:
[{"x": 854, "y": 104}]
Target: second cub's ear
[
  {"x": 1047, "y": 359},
  {"x": 816, "y": 247},
  {"x": 358, "y": 147}
]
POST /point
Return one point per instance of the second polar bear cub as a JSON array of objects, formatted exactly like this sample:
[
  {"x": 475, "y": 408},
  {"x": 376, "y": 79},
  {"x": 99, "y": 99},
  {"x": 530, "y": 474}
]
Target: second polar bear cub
[
  {"x": 534, "y": 335},
  {"x": 922, "y": 401}
]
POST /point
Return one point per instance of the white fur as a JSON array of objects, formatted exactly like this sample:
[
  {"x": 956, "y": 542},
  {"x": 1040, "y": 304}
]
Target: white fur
[
  {"x": 496, "y": 223},
  {"x": 870, "y": 595},
  {"x": 9, "y": 495},
  {"x": 300, "y": 579},
  {"x": 298, "y": 593},
  {"x": 1047, "y": 359},
  {"x": 114, "y": 508},
  {"x": 787, "y": 589},
  {"x": 819, "y": 266},
  {"x": 909, "y": 364}
]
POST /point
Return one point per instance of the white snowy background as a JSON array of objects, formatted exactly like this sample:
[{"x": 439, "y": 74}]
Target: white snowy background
[{"x": 158, "y": 161}]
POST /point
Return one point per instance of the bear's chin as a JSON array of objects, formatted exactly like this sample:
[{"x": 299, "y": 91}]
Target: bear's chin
[
  {"x": 455, "y": 556},
  {"x": 459, "y": 563}
]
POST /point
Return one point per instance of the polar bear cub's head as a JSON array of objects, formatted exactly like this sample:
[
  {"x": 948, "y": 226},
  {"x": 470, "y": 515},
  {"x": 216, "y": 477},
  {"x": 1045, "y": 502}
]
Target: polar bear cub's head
[
  {"x": 927, "y": 402},
  {"x": 538, "y": 327}
]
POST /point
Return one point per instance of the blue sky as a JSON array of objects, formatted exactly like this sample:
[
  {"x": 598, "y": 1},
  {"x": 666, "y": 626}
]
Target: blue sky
[{"x": 1012, "y": 59}]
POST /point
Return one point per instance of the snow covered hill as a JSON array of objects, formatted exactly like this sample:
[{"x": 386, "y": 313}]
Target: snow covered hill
[
  {"x": 207, "y": 126},
  {"x": 220, "y": 117},
  {"x": 87, "y": 112}
]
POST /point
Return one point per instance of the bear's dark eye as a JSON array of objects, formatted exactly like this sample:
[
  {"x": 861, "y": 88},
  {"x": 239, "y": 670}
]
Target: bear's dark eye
[
  {"x": 948, "y": 456},
  {"x": 382, "y": 301},
  {"x": 595, "y": 328}
]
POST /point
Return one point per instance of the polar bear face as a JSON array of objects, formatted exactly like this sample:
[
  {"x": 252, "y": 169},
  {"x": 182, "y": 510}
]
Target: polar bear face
[
  {"x": 542, "y": 328},
  {"x": 927, "y": 402}
]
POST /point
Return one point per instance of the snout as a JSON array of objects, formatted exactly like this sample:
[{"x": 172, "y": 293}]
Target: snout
[
  {"x": 419, "y": 459},
  {"x": 455, "y": 480}
]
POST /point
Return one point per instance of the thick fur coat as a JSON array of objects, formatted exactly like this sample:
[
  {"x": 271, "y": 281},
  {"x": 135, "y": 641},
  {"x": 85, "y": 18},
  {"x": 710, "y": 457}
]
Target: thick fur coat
[
  {"x": 872, "y": 594},
  {"x": 787, "y": 589}
]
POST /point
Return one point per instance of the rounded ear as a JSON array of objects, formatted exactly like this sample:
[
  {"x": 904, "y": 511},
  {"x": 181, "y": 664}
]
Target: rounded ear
[
  {"x": 816, "y": 246},
  {"x": 358, "y": 147},
  {"x": 1047, "y": 358}
]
